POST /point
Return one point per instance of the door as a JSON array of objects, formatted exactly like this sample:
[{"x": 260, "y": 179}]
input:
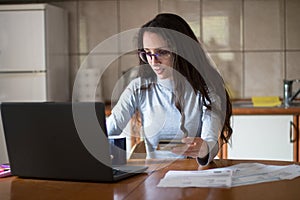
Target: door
[
  {"x": 261, "y": 137},
  {"x": 23, "y": 87},
  {"x": 22, "y": 40}
]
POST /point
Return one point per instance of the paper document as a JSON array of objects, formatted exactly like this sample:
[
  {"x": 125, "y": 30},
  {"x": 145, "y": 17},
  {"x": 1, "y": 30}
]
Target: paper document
[
  {"x": 205, "y": 178},
  {"x": 252, "y": 173},
  {"x": 236, "y": 175}
]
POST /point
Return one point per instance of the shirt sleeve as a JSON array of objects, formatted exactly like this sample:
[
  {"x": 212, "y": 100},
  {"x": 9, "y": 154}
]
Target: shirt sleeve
[
  {"x": 211, "y": 127},
  {"x": 122, "y": 111}
]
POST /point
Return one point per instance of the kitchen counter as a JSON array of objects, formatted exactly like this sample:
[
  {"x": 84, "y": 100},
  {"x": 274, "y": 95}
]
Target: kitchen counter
[
  {"x": 279, "y": 125},
  {"x": 245, "y": 107}
]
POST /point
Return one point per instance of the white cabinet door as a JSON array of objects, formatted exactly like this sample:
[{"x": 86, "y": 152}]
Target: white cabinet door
[
  {"x": 22, "y": 40},
  {"x": 23, "y": 87},
  {"x": 261, "y": 137}
]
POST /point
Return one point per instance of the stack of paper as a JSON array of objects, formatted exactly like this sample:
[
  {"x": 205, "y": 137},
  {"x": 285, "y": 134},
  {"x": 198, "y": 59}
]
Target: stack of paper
[
  {"x": 206, "y": 178},
  {"x": 252, "y": 173},
  {"x": 236, "y": 175}
]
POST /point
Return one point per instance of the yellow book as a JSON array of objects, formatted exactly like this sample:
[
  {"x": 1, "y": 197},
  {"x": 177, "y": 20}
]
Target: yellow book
[{"x": 266, "y": 101}]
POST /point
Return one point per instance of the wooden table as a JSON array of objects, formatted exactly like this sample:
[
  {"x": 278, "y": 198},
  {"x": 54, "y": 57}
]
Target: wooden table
[{"x": 144, "y": 187}]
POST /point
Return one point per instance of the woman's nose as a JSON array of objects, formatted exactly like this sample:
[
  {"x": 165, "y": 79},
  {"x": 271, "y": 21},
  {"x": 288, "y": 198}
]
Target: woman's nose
[{"x": 154, "y": 59}]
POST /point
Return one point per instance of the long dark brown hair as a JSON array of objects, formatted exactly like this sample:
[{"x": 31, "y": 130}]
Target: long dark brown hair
[{"x": 184, "y": 53}]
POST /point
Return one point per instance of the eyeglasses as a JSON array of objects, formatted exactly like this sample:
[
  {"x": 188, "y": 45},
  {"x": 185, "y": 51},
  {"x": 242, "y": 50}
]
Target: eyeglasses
[{"x": 160, "y": 54}]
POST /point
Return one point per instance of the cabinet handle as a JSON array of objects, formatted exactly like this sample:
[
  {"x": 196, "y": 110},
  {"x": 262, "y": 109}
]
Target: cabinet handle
[{"x": 292, "y": 126}]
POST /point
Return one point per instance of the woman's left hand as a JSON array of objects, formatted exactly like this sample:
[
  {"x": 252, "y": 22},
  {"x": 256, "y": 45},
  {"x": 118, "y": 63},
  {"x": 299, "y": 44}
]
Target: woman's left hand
[{"x": 193, "y": 147}]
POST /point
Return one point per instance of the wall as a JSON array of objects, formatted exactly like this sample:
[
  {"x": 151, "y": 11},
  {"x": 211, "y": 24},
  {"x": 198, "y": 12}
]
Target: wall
[{"x": 255, "y": 43}]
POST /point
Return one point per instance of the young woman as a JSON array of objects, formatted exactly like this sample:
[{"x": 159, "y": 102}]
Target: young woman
[{"x": 178, "y": 94}]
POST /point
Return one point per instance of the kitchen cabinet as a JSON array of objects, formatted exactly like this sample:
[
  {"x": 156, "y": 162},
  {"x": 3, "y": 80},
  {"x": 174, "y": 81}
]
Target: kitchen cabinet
[
  {"x": 34, "y": 60},
  {"x": 33, "y": 53},
  {"x": 18, "y": 26},
  {"x": 268, "y": 137}
]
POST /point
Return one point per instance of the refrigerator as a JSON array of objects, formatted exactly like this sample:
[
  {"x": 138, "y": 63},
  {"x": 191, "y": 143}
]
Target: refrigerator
[{"x": 33, "y": 56}]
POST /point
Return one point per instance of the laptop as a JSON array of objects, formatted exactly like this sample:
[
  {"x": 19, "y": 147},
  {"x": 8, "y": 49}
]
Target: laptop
[{"x": 61, "y": 140}]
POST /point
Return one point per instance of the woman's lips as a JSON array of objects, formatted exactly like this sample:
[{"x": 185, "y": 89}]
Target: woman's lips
[{"x": 158, "y": 70}]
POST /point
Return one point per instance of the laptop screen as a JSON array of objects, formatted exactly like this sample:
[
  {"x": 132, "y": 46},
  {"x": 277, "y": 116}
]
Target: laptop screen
[{"x": 57, "y": 140}]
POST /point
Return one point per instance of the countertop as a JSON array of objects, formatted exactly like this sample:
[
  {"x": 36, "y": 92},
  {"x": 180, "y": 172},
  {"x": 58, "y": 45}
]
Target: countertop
[{"x": 245, "y": 107}]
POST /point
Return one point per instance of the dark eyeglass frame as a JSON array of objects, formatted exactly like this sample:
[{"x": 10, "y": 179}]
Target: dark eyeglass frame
[{"x": 161, "y": 54}]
